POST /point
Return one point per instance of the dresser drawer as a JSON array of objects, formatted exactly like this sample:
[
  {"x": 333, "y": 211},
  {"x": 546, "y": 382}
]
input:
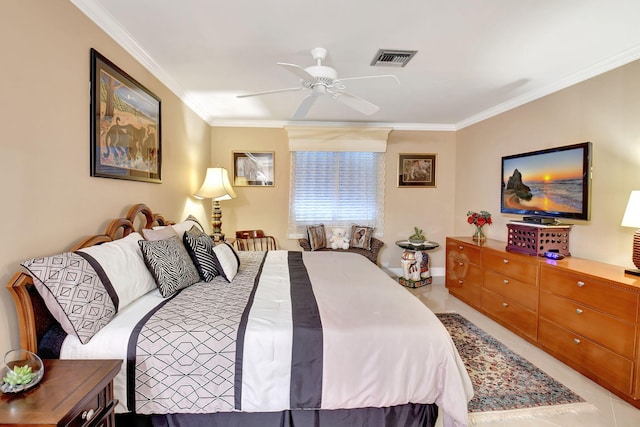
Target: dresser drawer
[
  {"x": 464, "y": 252},
  {"x": 510, "y": 313},
  {"x": 88, "y": 413},
  {"x": 514, "y": 266},
  {"x": 465, "y": 290},
  {"x": 523, "y": 293},
  {"x": 587, "y": 356},
  {"x": 591, "y": 292},
  {"x": 589, "y": 323},
  {"x": 463, "y": 271}
]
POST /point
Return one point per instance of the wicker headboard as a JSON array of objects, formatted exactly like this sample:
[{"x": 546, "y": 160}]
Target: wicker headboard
[{"x": 33, "y": 317}]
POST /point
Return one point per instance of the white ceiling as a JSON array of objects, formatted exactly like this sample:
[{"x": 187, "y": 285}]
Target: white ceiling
[{"x": 476, "y": 58}]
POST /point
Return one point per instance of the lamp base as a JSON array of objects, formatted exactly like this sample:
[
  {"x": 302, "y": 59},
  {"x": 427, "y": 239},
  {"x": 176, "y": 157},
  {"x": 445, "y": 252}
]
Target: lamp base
[
  {"x": 632, "y": 271},
  {"x": 217, "y": 237}
]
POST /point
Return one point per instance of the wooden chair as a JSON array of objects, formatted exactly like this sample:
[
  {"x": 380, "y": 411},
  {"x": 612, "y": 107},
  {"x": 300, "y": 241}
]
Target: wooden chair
[{"x": 254, "y": 240}]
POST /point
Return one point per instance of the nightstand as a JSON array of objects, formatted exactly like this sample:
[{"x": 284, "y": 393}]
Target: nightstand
[{"x": 72, "y": 393}]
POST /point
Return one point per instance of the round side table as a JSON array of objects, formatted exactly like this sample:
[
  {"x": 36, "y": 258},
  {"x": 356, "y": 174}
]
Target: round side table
[{"x": 415, "y": 263}]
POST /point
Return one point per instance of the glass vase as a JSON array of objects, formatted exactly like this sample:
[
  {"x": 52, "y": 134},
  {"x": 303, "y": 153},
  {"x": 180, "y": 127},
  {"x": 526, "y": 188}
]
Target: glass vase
[{"x": 478, "y": 235}]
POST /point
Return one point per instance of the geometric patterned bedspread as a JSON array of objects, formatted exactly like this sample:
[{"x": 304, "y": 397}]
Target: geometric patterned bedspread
[{"x": 185, "y": 357}]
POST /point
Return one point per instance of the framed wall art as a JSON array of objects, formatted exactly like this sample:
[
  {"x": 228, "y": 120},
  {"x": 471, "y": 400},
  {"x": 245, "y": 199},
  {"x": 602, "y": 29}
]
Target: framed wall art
[
  {"x": 416, "y": 170},
  {"x": 125, "y": 126},
  {"x": 253, "y": 168}
]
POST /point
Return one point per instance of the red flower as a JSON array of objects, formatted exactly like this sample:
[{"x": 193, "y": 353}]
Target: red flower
[{"x": 479, "y": 219}]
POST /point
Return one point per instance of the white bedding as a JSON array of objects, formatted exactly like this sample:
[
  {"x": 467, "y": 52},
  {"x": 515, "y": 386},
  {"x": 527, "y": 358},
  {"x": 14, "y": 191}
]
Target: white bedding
[{"x": 381, "y": 346}]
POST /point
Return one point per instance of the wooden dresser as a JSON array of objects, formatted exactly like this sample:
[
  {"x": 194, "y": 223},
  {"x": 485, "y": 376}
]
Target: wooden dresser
[{"x": 584, "y": 313}]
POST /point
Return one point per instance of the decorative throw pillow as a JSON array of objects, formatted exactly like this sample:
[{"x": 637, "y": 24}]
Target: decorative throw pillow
[
  {"x": 158, "y": 233},
  {"x": 169, "y": 264},
  {"x": 226, "y": 260},
  {"x": 74, "y": 293},
  {"x": 122, "y": 262},
  {"x": 200, "y": 248},
  {"x": 181, "y": 227},
  {"x": 361, "y": 237},
  {"x": 317, "y": 236}
]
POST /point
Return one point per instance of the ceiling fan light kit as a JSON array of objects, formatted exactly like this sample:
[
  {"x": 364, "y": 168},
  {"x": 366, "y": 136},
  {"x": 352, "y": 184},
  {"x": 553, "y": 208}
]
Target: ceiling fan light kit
[{"x": 320, "y": 80}]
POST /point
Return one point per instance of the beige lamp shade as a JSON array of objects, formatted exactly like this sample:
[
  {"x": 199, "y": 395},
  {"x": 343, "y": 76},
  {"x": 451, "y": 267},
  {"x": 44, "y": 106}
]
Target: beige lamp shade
[
  {"x": 216, "y": 185},
  {"x": 632, "y": 219},
  {"x": 632, "y": 213}
]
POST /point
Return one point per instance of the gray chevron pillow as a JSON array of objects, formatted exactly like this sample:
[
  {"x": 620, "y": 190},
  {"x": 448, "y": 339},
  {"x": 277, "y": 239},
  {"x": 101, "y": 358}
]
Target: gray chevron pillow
[
  {"x": 200, "y": 248},
  {"x": 170, "y": 264}
]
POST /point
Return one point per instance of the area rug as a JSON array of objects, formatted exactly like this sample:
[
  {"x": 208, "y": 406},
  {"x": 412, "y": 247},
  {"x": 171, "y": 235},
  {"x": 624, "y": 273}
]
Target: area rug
[{"x": 505, "y": 385}]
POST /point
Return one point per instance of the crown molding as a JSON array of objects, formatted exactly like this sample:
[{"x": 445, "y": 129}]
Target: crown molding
[{"x": 284, "y": 123}]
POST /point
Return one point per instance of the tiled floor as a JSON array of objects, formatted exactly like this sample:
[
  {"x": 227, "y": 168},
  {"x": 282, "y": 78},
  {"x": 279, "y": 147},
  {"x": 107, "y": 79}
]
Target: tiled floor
[{"x": 611, "y": 410}]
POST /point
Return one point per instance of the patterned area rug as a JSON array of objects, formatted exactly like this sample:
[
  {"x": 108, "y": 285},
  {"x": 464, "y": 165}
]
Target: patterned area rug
[{"x": 506, "y": 385}]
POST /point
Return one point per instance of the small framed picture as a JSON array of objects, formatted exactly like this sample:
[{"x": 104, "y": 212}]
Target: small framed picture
[
  {"x": 416, "y": 170},
  {"x": 253, "y": 168}
]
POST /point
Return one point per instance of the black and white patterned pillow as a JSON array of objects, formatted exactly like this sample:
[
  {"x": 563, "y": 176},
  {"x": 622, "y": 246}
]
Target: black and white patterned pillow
[
  {"x": 169, "y": 264},
  {"x": 200, "y": 248},
  {"x": 78, "y": 296},
  {"x": 317, "y": 236},
  {"x": 226, "y": 260}
]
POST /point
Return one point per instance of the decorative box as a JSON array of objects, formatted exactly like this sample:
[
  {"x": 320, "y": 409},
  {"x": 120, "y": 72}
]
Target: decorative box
[{"x": 536, "y": 239}]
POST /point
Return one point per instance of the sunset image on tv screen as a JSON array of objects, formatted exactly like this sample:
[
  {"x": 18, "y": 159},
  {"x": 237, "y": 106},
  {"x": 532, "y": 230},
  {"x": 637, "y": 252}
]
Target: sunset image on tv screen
[{"x": 549, "y": 182}]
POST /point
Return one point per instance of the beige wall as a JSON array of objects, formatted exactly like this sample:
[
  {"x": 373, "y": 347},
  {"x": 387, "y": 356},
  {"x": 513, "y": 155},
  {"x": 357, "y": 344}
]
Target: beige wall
[
  {"x": 267, "y": 208},
  {"x": 49, "y": 201},
  {"x": 604, "y": 110}
]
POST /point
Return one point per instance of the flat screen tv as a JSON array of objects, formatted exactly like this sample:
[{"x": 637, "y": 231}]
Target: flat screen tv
[{"x": 547, "y": 185}]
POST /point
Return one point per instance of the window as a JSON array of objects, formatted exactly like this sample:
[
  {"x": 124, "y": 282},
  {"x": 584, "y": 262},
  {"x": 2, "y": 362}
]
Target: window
[{"x": 336, "y": 189}]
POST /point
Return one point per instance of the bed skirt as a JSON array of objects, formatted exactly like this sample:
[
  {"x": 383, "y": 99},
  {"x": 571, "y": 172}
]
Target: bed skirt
[{"x": 410, "y": 415}]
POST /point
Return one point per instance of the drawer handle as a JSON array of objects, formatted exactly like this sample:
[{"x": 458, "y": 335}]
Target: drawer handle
[
  {"x": 506, "y": 282},
  {"x": 461, "y": 247},
  {"x": 576, "y": 341},
  {"x": 87, "y": 415},
  {"x": 505, "y": 305},
  {"x": 580, "y": 283},
  {"x": 506, "y": 261},
  {"x": 579, "y": 310},
  {"x": 461, "y": 263},
  {"x": 460, "y": 281}
]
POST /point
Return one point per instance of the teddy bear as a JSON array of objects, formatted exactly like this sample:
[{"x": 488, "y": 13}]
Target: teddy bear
[{"x": 339, "y": 239}]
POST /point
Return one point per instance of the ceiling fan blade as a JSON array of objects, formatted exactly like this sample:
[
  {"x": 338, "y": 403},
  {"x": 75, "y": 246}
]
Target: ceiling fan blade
[
  {"x": 305, "y": 106},
  {"x": 350, "y": 100},
  {"x": 373, "y": 77},
  {"x": 298, "y": 71},
  {"x": 290, "y": 89}
]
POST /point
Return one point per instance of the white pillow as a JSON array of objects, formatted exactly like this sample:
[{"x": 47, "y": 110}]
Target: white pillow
[
  {"x": 226, "y": 260},
  {"x": 158, "y": 233},
  {"x": 182, "y": 227},
  {"x": 124, "y": 265}
]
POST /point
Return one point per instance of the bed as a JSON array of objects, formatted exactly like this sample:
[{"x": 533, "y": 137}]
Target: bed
[{"x": 292, "y": 339}]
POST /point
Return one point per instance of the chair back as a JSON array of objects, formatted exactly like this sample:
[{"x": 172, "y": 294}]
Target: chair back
[
  {"x": 254, "y": 240},
  {"x": 243, "y": 234}
]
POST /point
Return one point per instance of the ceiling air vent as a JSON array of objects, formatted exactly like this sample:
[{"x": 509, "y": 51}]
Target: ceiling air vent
[{"x": 392, "y": 58}]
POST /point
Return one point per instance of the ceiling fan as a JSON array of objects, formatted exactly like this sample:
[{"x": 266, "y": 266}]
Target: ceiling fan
[{"x": 322, "y": 80}]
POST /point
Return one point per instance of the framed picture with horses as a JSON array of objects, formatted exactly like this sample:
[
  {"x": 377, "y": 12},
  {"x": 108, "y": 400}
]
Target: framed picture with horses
[
  {"x": 126, "y": 138},
  {"x": 416, "y": 170}
]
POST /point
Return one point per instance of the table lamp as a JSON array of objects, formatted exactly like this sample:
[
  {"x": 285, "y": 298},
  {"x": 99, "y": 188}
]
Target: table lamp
[
  {"x": 632, "y": 219},
  {"x": 216, "y": 186}
]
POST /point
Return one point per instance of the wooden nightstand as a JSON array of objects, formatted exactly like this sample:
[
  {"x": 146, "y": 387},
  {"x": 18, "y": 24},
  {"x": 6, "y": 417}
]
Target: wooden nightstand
[{"x": 72, "y": 393}]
